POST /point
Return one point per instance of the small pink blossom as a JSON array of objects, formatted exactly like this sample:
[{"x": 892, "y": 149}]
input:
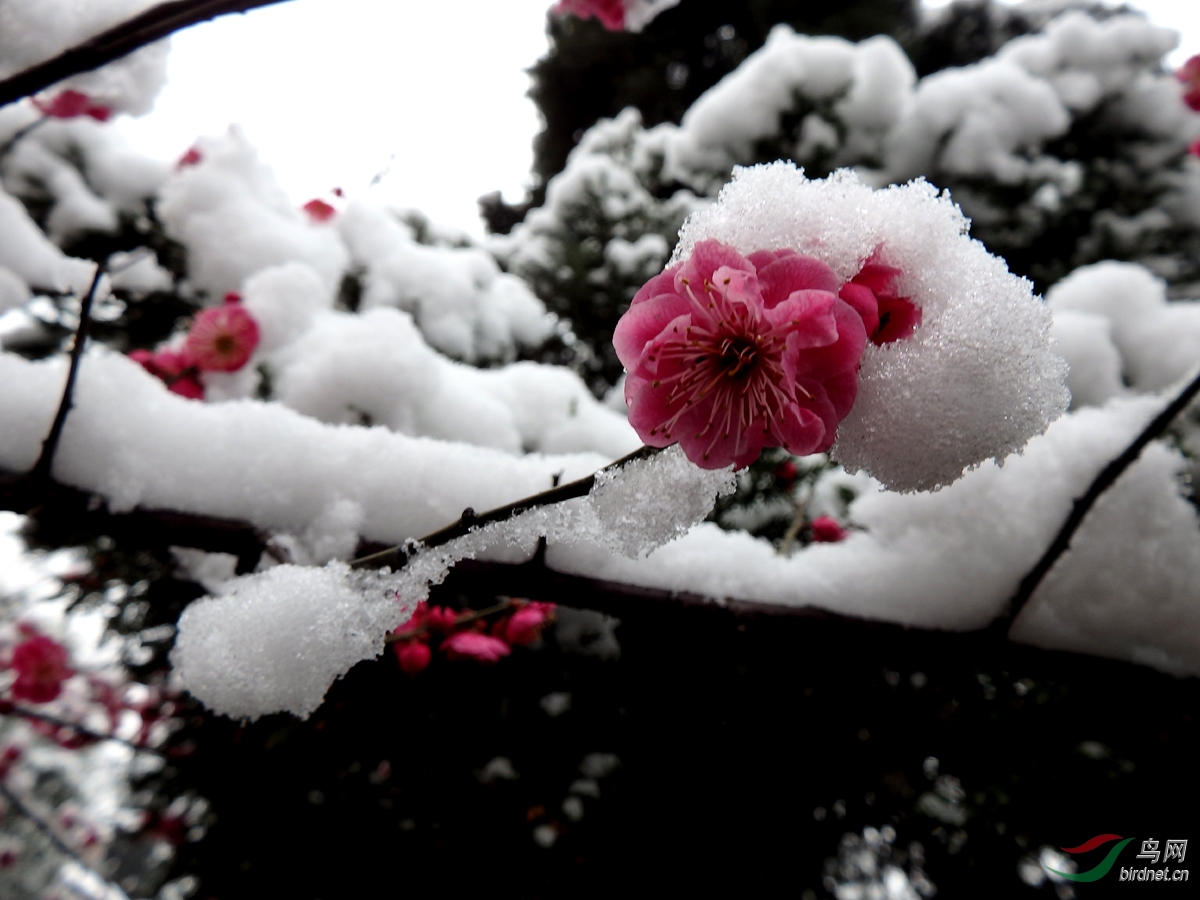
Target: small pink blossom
[
  {"x": 1189, "y": 75},
  {"x": 729, "y": 354},
  {"x": 193, "y": 157},
  {"x": 413, "y": 656},
  {"x": 222, "y": 339},
  {"x": 41, "y": 665},
  {"x": 174, "y": 367},
  {"x": 785, "y": 474},
  {"x": 610, "y": 13},
  {"x": 826, "y": 530},
  {"x": 319, "y": 210},
  {"x": 1194, "y": 149},
  {"x": 473, "y": 645},
  {"x": 886, "y": 315},
  {"x": 71, "y": 104},
  {"x": 525, "y": 625}
]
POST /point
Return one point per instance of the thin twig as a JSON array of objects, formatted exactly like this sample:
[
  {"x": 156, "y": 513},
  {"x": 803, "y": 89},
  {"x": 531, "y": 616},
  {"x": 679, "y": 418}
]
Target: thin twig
[
  {"x": 1083, "y": 505},
  {"x": 463, "y": 618},
  {"x": 396, "y": 557},
  {"x": 20, "y": 133},
  {"x": 44, "y": 827},
  {"x": 39, "y": 475},
  {"x": 24, "y": 712},
  {"x": 120, "y": 40}
]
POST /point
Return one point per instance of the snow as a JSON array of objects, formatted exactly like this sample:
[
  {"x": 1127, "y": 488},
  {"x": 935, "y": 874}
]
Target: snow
[
  {"x": 275, "y": 641},
  {"x": 976, "y": 380},
  {"x": 32, "y": 31},
  {"x": 1158, "y": 341}
]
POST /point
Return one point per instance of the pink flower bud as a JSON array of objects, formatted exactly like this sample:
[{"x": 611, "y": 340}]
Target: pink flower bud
[
  {"x": 413, "y": 656},
  {"x": 193, "y": 157},
  {"x": 826, "y": 530},
  {"x": 525, "y": 625},
  {"x": 319, "y": 210},
  {"x": 610, "y": 13},
  {"x": 473, "y": 645},
  {"x": 41, "y": 665},
  {"x": 71, "y": 104},
  {"x": 1189, "y": 75}
]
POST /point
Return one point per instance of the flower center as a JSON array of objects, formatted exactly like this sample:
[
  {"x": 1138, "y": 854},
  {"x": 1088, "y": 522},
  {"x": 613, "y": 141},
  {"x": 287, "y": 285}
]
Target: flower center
[
  {"x": 225, "y": 344},
  {"x": 738, "y": 356}
]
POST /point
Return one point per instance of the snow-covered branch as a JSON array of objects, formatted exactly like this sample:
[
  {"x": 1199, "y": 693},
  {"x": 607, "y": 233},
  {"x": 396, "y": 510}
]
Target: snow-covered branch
[{"x": 120, "y": 40}]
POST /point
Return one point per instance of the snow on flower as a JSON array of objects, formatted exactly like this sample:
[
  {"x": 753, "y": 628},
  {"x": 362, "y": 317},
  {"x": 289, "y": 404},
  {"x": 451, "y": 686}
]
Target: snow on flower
[
  {"x": 728, "y": 354},
  {"x": 473, "y": 645},
  {"x": 976, "y": 380},
  {"x": 222, "y": 339},
  {"x": 41, "y": 666},
  {"x": 1189, "y": 75},
  {"x": 71, "y": 104}
]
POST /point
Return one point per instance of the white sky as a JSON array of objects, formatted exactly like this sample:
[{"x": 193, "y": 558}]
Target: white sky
[{"x": 333, "y": 92}]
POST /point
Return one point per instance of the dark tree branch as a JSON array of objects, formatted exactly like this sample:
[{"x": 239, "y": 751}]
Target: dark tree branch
[
  {"x": 39, "y": 475},
  {"x": 396, "y": 557},
  {"x": 120, "y": 40},
  {"x": 1083, "y": 505},
  {"x": 11, "y": 709}
]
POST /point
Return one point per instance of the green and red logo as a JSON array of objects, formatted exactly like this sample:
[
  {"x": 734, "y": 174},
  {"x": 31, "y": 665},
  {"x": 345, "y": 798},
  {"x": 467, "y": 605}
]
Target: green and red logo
[{"x": 1100, "y": 870}]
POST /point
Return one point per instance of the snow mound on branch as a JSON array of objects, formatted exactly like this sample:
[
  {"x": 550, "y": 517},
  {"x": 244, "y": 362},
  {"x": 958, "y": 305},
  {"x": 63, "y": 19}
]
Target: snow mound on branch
[
  {"x": 235, "y": 219},
  {"x": 1129, "y": 588},
  {"x": 863, "y": 87},
  {"x": 275, "y": 641},
  {"x": 29, "y": 256},
  {"x": 630, "y": 511},
  {"x": 32, "y": 31},
  {"x": 465, "y": 306},
  {"x": 976, "y": 380},
  {"x": 1158, "y": 341},
  {"x": 375, "y": 369}
]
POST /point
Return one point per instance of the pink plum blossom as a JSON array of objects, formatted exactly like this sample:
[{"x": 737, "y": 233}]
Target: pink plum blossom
[
  {"x": 610, "y": 13},
  {"x": 71, "y": 104},
  {"x": 525, "y": 625},
  {"x": 886, "y": 315},
  {"x": 1194, "y": 149},
  {"x": 41, "y": 666},
  {"x": 473, "y": 645},
  {"x": 727, "y": 354},
  {"x": 222, "y": 339},
  {"x": 1189, "y": 75},
  {"x": 826, "y": 530}
]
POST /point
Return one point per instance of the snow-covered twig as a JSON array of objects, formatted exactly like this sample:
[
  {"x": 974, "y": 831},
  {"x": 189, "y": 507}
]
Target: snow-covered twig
[
  {"x": 396, "y": 557},
  {"x": 7, "y": 708},
  {"x": 1108, "y": 475},
  {"x": 120, "y": 40}
]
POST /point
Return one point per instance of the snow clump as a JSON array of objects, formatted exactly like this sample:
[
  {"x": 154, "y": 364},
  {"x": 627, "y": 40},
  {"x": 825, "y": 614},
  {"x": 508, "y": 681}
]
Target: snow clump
[{"x": 976, "y": 380}]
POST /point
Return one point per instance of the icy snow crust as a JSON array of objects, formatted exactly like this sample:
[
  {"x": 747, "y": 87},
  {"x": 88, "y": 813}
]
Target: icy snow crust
[{"x": 976, "y": 380}]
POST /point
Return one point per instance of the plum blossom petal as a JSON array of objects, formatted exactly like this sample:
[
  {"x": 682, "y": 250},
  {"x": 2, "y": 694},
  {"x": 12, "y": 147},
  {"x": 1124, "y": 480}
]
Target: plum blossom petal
[
  {"x": 41, "y": 666},
  {"x": 473, "y": 645}
]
